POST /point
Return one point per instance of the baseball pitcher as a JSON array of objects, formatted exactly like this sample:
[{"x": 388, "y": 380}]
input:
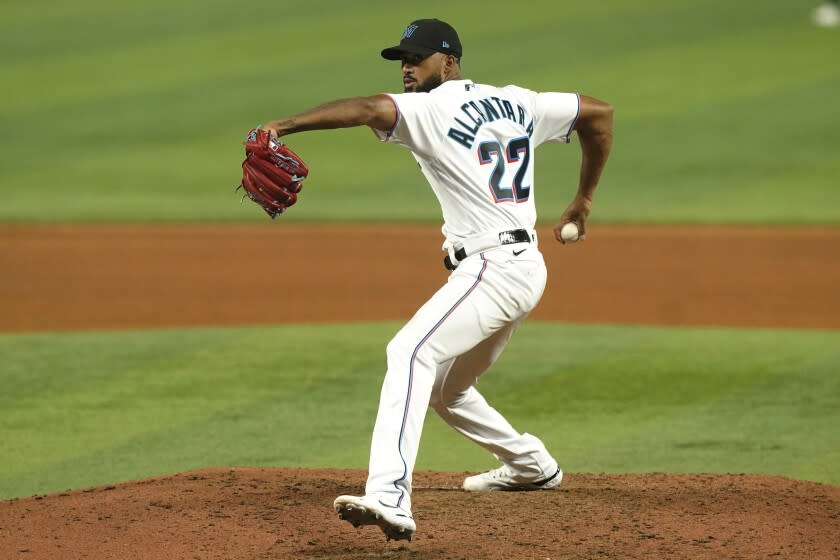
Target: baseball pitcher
[{"x": 475, "y": 144}]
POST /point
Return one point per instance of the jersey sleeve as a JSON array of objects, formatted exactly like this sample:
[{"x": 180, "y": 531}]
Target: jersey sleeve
[
  {"x": 415, "y": 127},
  {"x": 555, "y": 116}
]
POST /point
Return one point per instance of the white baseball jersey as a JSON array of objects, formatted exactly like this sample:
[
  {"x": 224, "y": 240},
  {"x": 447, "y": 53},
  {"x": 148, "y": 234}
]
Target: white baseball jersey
[{"x": 475, "y": 145}]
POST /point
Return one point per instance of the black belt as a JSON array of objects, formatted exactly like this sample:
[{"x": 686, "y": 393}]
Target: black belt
[{"x": 505, "y": 238}]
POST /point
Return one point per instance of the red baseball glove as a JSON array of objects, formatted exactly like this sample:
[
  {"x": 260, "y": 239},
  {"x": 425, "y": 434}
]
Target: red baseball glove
[{"x": 272, "y": 174}]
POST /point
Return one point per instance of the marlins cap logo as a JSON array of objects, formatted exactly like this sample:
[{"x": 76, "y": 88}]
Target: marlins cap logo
[{"x": 409, "y": 31}]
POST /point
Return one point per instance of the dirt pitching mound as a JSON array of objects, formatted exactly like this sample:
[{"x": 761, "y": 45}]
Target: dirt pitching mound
[{"x": 287, "y": 514}]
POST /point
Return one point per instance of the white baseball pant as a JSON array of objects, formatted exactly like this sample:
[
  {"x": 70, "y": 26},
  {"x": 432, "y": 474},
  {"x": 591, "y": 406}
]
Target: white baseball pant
[{"x": 436, "y": 358}]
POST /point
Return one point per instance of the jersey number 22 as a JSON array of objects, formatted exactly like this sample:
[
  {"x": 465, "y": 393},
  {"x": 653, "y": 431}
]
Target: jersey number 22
[{"x": 518, "y": 151}]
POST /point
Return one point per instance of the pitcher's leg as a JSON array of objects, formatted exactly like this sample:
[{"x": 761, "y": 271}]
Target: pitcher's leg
[
  {"x": 459, "y": 404},
  {"x": 448, "y": 325}
]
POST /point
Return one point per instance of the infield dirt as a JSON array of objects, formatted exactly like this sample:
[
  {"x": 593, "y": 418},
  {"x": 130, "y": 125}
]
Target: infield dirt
[{"x": 101, "y": 277}]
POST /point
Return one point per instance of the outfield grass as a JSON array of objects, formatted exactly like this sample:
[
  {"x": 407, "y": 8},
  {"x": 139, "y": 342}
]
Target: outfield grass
[
  {"x": 726, "y": 111},
  {"x": 91, "y": 408}
]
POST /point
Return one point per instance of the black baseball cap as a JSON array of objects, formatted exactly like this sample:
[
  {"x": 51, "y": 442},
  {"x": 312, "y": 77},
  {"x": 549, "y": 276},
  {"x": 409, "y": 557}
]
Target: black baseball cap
[{"x": 426, "y": 36}]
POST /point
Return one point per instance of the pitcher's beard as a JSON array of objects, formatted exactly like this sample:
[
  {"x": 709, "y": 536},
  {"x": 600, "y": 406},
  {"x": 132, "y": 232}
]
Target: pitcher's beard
[{"x": 431, "y": 83}]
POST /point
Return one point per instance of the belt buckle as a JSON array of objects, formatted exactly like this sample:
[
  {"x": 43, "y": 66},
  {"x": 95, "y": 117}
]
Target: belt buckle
[
  {"x": 515, "y": 236},
  {"x": 507, "y": 237}
]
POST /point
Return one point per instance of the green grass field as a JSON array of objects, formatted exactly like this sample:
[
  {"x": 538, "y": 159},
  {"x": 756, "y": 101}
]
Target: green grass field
[
  {"x": 725, "y": 112},
  {"x": 613, "y": 399}
]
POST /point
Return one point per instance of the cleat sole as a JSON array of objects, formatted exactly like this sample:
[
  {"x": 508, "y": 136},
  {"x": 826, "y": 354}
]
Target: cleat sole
[{"x": 358, "y": 516}]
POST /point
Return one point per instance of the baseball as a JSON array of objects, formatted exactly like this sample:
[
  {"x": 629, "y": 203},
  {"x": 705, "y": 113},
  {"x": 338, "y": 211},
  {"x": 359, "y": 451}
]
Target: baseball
[{"x": 569, "y": 232}]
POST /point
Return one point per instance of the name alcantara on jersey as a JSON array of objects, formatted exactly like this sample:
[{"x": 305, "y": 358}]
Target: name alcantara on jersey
[{"x": 492, "y": 108}]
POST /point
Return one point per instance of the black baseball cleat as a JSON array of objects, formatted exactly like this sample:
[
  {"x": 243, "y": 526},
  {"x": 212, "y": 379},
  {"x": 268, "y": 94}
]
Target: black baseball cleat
[{"x": 395, "y": 522}]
